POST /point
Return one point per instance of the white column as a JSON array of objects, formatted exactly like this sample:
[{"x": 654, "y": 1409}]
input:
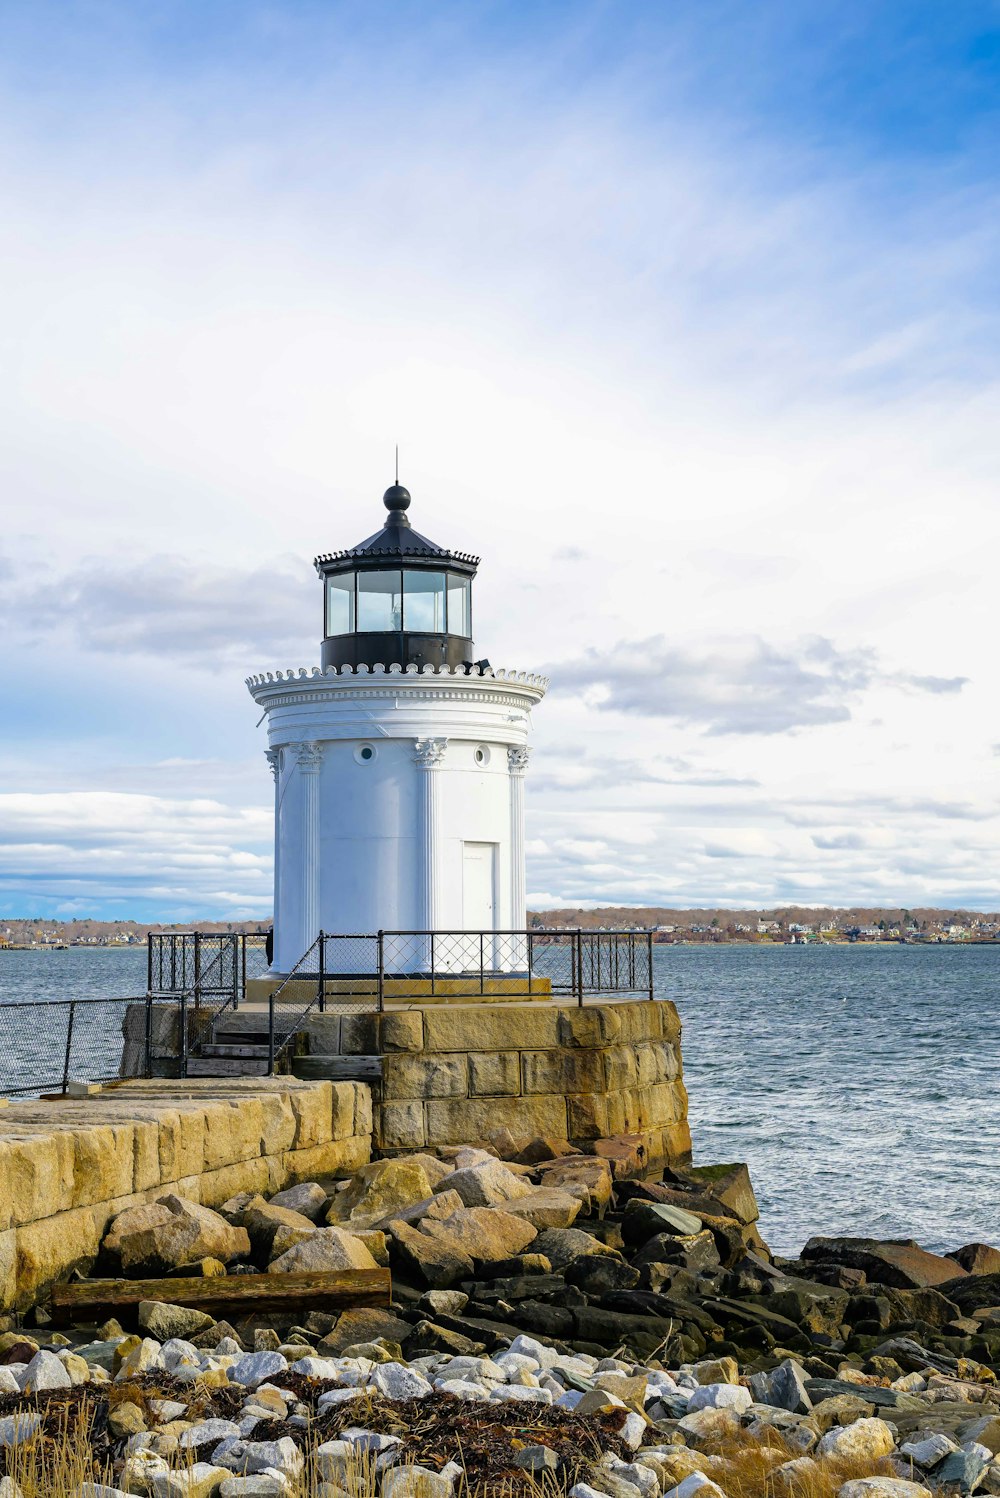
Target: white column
[
  {"x": 309, "y": 759},
  {"x": 517, "y": 761},
  {"x": 273, "y": 757},
  {"x": 429, "y": 755}
]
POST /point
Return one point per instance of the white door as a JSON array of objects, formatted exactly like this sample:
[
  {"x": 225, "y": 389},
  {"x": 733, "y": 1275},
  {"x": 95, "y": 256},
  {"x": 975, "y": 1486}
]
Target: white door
[{"x": 479, "y": 886}]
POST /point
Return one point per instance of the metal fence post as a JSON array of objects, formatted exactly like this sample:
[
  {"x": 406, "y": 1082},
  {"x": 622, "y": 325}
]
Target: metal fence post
[
  {"x": 649, "y": 960},
  {"x": 149, "y": 1036},
  {"x": 69, "y": 1045},
  {"x": 149, "y": 962},
  {"x": 578, "y": 965},
  {"x": 381, "y": 970},
  {"x": 184, "y": 1032},
  {"x": 322, "y": 972},
  {"x": 243, "y": 971},
  {"x": 270, "y": 1033},
  {"x": 197, "y": 969}
]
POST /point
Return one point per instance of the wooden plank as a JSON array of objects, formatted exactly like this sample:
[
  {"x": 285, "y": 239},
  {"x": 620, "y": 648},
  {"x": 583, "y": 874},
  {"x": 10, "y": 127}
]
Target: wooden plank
[
  {"x": 225, "y": 1295},
  {"x": 338, "y": 1068}
]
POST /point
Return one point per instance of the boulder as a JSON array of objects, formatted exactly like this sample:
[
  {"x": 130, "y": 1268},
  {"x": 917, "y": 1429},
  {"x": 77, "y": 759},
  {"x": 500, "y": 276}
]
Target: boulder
[
  {"x": 431, "y": 1261},
  {"x": 627, "y": 1154},
  {"x": 544, "y": 1208},
  {"x": 262, "y": 1219},
  {"x": 530, "y": 1149},
  {"x": 928, "y": 1305},
  {"x": 366, "y": 1324},
  {"x": 18, "y": 1428},
  {"x": 696, "y": 1253},
  {"x": 561, "y": 1245},
  {"x": 963, "y": 1468},
  {"x": 249, "y": 1456},
  {"x": 397, "y": 1381},
  {"x": 440, "y": 1206},
  {"x": 720, "y": 1397},
  {"x": 578, "y": 1174},
  {"x": 307, "y": 1198},
  {"x": 486, "y": 1234},
  {"x": 199, "y": 1481},
  {"x": 285, "y": 1237},
  {"x": 898, "y": 1262},
  {"x": 730, "y": 1185},
  {"x": 783, "y": 1387},
  {"x": 488, "y": 1184},
  {"x": 600, "y": 1274},
  {"x": 978, "y": 1258},
  {"x": 929, "y": 1450},
  {"x": 643, "y": 1220},
  {"x": 163, "y": 1321},
  {"x": 416, "y": 1482},
  {"x": 819, "y": 1308},
  {"x": 156, "y": 1238},
  {"x": 882, "y": 1487},
  {"x": 45, "y": 1371},
  {"x": 864, "y": 1440},
  {"x": 434, "y": 1169},
  {"x": 443, "y": 1302},
  {"x": 255, "y": 1368},
  {"x": 326, "y": 1249},
  {"x": 377, "y": 1192}
]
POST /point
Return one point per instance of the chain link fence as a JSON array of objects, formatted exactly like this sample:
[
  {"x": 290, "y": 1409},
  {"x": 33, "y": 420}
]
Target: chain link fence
[{"x": 44, "y": 1047}]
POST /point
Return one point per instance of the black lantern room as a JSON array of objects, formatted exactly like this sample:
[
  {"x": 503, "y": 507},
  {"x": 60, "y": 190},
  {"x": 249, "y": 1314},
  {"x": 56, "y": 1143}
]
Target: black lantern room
[{"x": 397, "y": 599}]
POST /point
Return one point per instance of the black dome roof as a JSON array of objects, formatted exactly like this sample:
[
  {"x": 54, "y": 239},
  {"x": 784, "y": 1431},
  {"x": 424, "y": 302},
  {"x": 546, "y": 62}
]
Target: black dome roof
[{"x": 396, "y": 540}]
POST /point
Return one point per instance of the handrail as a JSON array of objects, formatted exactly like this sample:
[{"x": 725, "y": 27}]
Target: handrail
[{"x": 274, "y": 1052}]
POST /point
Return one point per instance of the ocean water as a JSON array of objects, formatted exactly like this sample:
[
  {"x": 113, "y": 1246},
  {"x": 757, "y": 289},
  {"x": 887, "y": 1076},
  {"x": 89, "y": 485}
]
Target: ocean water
[{"x": 860, "y": 1084}]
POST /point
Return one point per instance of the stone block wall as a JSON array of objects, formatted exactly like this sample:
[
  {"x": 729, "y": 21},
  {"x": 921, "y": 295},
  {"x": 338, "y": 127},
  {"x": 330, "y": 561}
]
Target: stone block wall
[
  {"x": 462, "y": 1073},
  {"x": 67, "y": 1167}
]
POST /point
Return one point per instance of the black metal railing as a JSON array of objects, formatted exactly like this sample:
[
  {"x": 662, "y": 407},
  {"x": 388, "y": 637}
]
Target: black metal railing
[
  {"x": 45, "y": 1046},
  {"x": 513, "y": 964},
  {"x": 207, "y": 964},
  {"x": 351, "y": 973}
]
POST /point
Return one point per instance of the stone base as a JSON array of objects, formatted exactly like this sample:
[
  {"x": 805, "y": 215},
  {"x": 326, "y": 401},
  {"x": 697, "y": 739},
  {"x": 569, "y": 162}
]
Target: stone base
[
  {"x": 401, "y": 991},
  {"x": 467, "y": 1072},
  {"x": 68, "y": 1167}
]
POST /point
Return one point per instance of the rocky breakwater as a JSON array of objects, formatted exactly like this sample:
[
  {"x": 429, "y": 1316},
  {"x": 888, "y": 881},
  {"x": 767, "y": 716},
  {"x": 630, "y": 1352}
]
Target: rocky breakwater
[{"x": 552, "y": 1324}]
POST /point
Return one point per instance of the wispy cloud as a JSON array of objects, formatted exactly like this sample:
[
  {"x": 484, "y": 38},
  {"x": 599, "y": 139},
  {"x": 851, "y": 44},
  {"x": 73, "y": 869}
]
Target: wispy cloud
[
  {"x": 174, "y": 607},
  {"x": 741, "y": 684}
]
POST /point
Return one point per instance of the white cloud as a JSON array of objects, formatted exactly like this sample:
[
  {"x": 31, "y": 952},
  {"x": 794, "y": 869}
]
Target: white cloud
[{"x": 741, "y": 684}]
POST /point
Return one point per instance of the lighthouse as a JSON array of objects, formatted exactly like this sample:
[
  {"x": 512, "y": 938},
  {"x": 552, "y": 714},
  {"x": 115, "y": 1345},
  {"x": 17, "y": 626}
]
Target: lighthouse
[{"x": 399, "y": 760}]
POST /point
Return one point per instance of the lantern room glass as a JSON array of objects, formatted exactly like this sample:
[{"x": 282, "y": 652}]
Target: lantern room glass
[
  {"x": 389, "y": 600},
  {"x": 380, "y": 602},
  {"x": 424, "y": 602},
  {"x": 340, "y": 605},
  {"x": 459, "y": 605}
]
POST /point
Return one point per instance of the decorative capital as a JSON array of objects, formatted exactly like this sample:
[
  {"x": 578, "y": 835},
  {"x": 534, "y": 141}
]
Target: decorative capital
[
  {"x": 517, "y": 758},
  {"x": 429, "y": 753},
  {"x": 273, "y": 757},
  {"x": 308, "y": 757}
]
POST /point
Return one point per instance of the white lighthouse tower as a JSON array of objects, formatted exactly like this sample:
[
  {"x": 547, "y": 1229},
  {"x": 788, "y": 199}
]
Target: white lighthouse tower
[{"x": 399, "y": 762}]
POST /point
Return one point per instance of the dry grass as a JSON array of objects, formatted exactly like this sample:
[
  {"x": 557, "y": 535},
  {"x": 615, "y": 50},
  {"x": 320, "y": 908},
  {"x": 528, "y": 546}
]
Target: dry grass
[
  {"x": 55, "y": 1466},
  {"x": 746, "y": 1468}
]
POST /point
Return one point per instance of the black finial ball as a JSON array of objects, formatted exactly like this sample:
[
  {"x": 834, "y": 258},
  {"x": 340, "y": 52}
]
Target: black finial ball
[{"x": 396, "y": 498}]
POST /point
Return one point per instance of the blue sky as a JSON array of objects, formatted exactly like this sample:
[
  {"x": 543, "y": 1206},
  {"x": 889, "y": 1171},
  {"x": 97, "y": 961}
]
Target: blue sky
[{"x": 685, "y": 317}]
